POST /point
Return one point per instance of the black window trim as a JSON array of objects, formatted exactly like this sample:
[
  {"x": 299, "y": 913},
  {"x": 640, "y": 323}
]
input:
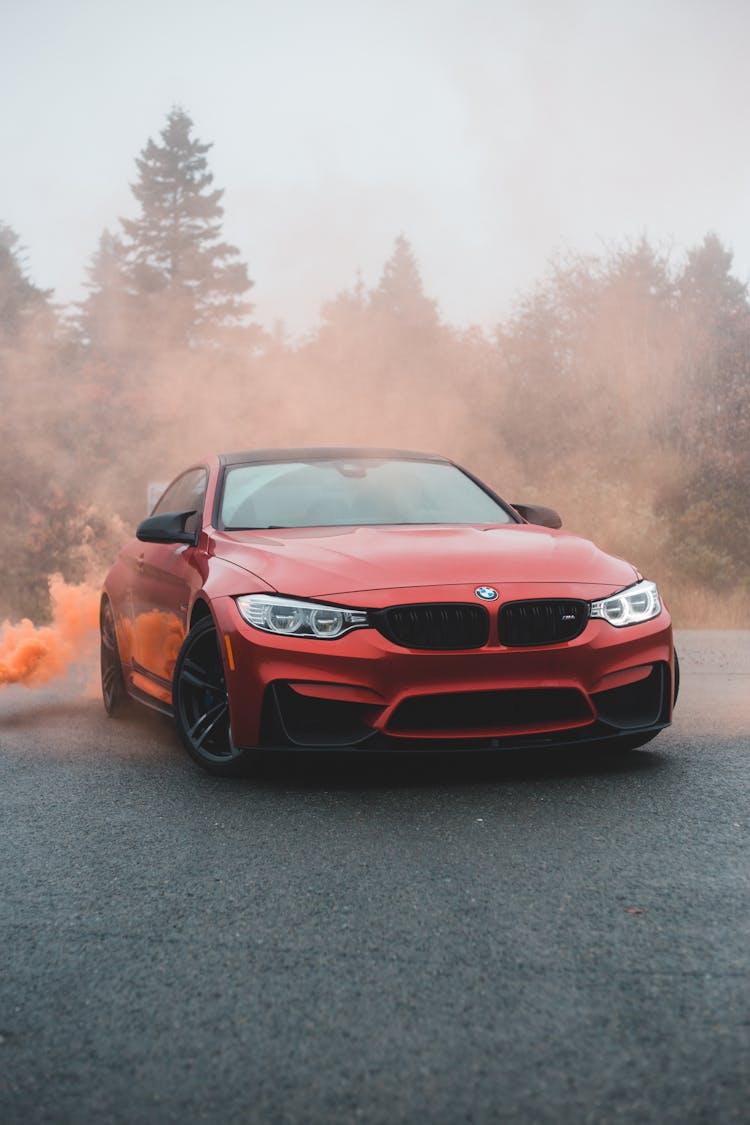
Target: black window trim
[{"x": 192, "y": 469}]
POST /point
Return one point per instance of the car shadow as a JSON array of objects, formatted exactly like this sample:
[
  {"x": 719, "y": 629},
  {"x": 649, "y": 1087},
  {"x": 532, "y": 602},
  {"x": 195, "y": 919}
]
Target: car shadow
[{"x": 317, "y": 770}]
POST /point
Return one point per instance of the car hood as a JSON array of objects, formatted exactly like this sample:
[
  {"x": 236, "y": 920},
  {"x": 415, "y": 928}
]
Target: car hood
[{"x": 324, "y": 562}]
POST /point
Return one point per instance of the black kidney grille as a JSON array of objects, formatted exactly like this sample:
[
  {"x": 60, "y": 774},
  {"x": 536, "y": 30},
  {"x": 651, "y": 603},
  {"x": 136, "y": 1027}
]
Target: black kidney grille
[
  {"x": 446, "y": 625},
  {"x": 541, "y": 622}
]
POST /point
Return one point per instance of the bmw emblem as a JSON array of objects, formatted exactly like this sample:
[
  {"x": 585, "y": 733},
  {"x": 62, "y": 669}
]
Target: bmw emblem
[{"x": 487, "y": 593}]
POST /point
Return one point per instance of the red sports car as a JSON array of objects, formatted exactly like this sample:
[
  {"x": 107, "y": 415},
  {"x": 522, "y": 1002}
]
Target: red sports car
[{"x": 379, "y": 599}]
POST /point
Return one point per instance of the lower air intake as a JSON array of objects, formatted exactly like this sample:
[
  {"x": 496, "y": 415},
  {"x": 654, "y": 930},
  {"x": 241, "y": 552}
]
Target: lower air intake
[{"x": 496, "y": 711}]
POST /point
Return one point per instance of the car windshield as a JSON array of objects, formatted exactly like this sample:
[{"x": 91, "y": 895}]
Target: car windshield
[{"x": 345, "y": 493}]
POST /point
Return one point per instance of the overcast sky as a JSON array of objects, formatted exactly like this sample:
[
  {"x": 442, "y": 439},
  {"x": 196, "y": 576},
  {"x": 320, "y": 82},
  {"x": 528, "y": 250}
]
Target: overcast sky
[{"x": 492, "y": 134}]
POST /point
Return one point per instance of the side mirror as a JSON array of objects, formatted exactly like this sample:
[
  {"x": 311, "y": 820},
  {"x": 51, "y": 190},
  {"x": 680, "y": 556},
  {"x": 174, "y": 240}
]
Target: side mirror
[
  {"x": 535, "y": 513},
  {"x": 167, "y": 527}
]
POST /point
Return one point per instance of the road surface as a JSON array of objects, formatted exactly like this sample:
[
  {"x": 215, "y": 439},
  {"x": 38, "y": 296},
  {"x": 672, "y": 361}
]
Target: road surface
[{"x": 545, "y": 937}]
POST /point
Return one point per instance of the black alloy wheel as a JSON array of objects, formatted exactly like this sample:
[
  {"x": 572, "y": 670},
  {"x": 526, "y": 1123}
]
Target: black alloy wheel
[
  {"x": 114, "y": 694},
  {"x": 201, "y": 703}
]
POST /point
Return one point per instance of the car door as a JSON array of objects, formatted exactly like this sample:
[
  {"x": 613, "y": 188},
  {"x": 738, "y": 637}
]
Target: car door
[{"x": 166, "y": 575}]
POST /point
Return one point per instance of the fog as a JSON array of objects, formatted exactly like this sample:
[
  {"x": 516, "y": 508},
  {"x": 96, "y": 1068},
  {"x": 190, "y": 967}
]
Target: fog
[
  {"x": 564, "y": 312},
  {"x": 495, "y": 134}
]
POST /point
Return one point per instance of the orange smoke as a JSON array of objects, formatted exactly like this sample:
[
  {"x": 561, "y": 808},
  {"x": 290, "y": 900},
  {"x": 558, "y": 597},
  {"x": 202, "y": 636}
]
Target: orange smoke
[
  {"x": 33, "y": 655},
  {"x": 154, "y": 640}
]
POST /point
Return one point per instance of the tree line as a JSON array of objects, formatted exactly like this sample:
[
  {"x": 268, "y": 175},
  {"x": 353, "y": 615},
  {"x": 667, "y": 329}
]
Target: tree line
[{"x": 618, "y": 390}]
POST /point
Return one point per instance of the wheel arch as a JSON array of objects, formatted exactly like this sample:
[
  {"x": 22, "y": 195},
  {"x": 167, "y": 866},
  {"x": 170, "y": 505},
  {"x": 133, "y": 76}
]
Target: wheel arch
[{"x": 200, "y": 610}]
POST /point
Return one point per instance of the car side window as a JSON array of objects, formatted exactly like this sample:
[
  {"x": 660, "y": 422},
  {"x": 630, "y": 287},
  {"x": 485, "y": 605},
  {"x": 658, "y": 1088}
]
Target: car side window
[{"x": 188, "y": 491}]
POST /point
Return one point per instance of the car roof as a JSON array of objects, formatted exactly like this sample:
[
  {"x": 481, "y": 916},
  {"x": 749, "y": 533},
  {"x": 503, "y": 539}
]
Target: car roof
[{"x": 326, "y": 453}]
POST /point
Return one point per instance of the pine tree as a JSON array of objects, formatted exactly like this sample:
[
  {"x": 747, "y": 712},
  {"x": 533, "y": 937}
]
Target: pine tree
[
  {"x": 104, "y": 321},
  {"x": 709, "y": 508},
  {"x": 707, "y": 283},
  {"x": 19, "y": 297},
  {"x": 400, "y": 293},
  {"x": 188, "y": 281},
  {"x": 716, "y": 317},
  {"x": 37, "y": 454}
]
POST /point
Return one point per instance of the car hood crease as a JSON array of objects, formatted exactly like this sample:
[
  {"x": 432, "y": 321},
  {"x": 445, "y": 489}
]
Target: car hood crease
[{"x": 324, "y": 562}]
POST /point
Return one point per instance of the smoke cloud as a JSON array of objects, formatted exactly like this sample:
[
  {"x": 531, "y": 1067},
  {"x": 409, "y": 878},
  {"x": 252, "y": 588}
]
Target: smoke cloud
[
  {"x": 33, "y": 655},
  {"x": 614, "y": 393}
]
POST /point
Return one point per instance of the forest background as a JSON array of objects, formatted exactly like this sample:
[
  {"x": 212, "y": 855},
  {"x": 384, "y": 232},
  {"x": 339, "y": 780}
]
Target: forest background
[{"x": 618, "y": 391}]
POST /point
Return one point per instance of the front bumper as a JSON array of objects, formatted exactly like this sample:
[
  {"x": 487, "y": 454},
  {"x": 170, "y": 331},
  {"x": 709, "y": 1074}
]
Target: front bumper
[{"x": 363, "y": 690}]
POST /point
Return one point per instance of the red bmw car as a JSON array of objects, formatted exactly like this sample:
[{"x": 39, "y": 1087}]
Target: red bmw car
[{"x": 376, "y": 599}]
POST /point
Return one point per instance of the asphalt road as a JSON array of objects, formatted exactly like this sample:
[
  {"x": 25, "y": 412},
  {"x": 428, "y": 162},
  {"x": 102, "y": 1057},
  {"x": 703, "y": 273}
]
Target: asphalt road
[{"x": 542, "y": 937}]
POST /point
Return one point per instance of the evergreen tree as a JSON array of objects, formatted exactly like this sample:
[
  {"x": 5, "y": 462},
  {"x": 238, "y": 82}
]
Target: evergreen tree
[
  {"x": 708, "y": 508},
  {"x": 104, "y": 321},
  {"x": 400, "y": 293},
  {"x": 19, "y": 297},
  {"x": 37, "y": 455},
  {"x": 716, "y": 317},
  {"x": 189, "y": 283},
  {"x": 707, "y": 284}
]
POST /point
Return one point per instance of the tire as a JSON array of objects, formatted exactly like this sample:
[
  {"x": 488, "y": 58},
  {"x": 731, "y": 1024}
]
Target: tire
[
  {"x": 115, "y": 697},
  {"x": 676, "y": 678},
  {"x": 201, "y": 704}
]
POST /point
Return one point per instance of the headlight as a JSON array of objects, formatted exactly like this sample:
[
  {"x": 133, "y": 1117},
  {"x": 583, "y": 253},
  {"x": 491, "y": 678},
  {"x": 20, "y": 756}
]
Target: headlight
[
  {"x": 637, "y": 603},
  {"x": 293, "y": 618}
]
